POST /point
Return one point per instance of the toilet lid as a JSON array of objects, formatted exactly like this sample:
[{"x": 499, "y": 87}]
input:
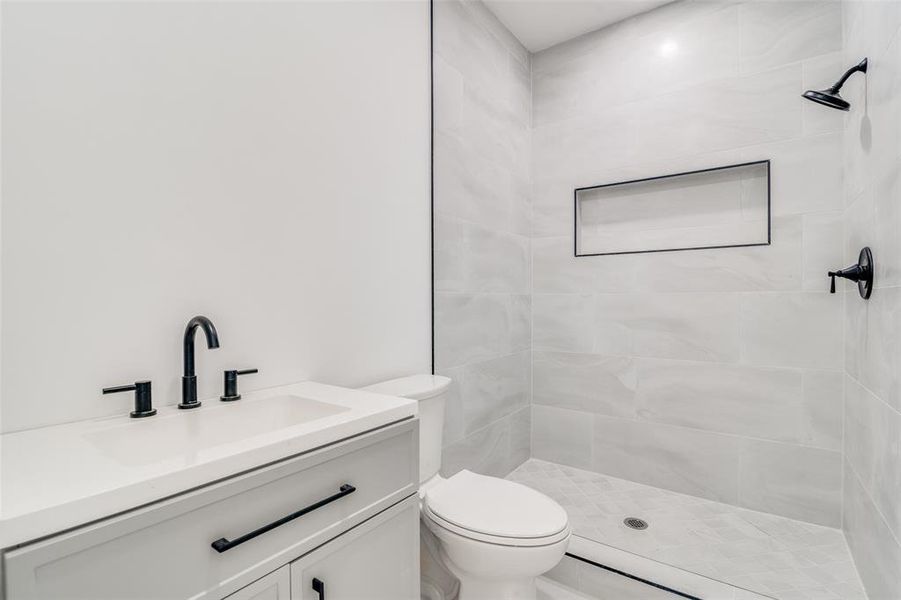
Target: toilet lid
[{"x": 495, "y": 507}]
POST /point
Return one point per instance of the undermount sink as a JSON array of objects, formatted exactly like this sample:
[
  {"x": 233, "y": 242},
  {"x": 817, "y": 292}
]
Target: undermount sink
[{"x": 189, "y": 432}]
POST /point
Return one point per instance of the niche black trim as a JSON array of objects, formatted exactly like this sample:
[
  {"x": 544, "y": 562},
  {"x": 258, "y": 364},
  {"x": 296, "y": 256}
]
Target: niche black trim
[
  {"x": 633, "y": 577},
  {"x": 769, "y": 216}
]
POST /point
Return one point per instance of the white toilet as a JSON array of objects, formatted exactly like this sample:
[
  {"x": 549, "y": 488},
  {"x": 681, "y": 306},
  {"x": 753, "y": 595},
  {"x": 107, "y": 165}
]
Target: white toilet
[{"x": 494, "y": 535}]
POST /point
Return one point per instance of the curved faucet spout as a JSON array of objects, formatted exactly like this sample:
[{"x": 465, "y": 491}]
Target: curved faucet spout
[
  {"x": 212, "y": 340},
  {"x": 189, "y": 378}
]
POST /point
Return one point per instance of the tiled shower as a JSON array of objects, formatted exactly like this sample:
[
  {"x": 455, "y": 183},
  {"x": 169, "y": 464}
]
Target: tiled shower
[{"x": 728, "y": 374}]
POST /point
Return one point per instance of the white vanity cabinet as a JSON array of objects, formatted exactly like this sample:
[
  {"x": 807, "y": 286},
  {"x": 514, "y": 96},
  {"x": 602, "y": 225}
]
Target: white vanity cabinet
[
  {"x": 274, "y": 586},
  {"x": 379, "y": 560},
  {"x": 354, "y": 512}
]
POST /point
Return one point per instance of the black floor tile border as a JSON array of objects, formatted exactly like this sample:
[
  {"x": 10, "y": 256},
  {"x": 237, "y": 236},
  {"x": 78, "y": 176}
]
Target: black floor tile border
[{"x": 634, "y": 577}]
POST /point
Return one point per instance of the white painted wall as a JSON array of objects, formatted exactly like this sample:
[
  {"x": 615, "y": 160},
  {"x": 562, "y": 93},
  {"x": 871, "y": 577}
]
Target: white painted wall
[{"x": 265, "y": 164}]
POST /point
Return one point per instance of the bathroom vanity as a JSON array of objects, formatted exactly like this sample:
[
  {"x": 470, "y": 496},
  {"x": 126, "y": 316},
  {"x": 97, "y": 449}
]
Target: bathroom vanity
[{"x": 303, "y": 508}]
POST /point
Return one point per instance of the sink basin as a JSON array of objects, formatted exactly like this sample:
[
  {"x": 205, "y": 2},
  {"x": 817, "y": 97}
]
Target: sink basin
[{"x": 186, "y": 433}]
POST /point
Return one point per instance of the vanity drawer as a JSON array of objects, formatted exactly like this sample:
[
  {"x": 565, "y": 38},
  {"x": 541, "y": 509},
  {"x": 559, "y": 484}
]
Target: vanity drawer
[{"x": 165, "y": 550}]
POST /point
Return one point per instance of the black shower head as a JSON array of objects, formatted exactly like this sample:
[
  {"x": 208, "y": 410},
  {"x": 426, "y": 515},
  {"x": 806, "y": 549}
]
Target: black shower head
[
  {"x": 830, "y": 97},
  {"x": 827, "y": 98}
]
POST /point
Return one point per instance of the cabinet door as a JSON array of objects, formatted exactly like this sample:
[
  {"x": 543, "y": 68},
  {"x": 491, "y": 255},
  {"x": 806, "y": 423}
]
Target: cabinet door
[
  {"x": 274, "y": 586},
  {"x": 377, "y": 560}
]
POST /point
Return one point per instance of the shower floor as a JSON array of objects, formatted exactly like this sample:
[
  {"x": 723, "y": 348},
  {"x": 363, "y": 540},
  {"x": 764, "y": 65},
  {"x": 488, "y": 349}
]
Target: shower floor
[{"x": 760, "y": 552}]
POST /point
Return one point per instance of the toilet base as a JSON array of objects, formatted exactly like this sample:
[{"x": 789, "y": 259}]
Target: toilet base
[{"x": 476, "y": 589}]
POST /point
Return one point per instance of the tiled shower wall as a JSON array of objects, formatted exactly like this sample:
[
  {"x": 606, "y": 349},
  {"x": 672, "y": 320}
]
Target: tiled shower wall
[
  {"x": 872, "y": 194},
  {"x": 717, "y": 373},
  {"x": 482, "y": 264}
]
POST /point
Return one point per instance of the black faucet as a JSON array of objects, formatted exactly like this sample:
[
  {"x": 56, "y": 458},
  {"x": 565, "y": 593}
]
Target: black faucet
[{"x": 189, "y": 379}]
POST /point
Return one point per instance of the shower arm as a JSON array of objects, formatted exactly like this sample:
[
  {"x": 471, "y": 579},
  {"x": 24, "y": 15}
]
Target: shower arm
[{"x": 861, "y": 66}]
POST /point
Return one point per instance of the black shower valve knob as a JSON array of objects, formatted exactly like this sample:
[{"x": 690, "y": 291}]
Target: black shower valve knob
[{"x": 860, "y": 273}]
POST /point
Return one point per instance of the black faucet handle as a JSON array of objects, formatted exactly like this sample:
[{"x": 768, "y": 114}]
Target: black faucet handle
[
  {"x": 230, "y": 393},
  {"x": 143, "y": 397}
]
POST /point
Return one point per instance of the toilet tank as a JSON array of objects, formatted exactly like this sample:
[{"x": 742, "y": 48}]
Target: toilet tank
[{"x": 430, "y": 391}]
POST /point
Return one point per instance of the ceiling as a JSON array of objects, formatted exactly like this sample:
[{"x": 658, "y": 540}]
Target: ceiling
[{"x": 540, "y": 24}]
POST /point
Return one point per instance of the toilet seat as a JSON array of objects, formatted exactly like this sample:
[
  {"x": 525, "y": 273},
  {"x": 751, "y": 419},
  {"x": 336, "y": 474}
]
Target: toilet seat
[{"x": 495, "y": 511}]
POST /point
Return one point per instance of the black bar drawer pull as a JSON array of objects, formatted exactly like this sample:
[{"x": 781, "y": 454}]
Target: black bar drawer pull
[
  {"x": 319, "y": 588},
  {"x": 222, "y": 544}
]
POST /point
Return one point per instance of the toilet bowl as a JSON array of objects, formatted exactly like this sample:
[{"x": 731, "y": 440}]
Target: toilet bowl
[{"x": 494, "y": 536}]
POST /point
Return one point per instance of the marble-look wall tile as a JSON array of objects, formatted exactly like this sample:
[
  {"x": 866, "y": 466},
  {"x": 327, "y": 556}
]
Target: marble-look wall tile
[
  {"x": 454, "y": 425},
  {"x": 561, "y": 436},
  {"x": 690, "y": 326},
  {"x": 482, "y": 223},
  {"x": 823, "y": 401},
  {"x": 494, "y": 388},
  {"x": 562, "y": 322},
  {"x": 805, "y": 173},
  {"x": 468, "y": 327},
  {"x": 776, "y": 33},
  {"x": 792, "y": 330},
  {"x": 556, "y": 269},
  {"x": 873, "y": 449},
  {"x": 822, "y": 248},
  {"x": 690, "y": 461},
  {"x": 520, "y": 437},
  {"x": 727, "y": 344},
  {"x": 876, "y": 552},
  {"x": 472, "y": 258},
  {"x": 494, "y": 450},
  {"x": 585, "y": 382},
  {"x": 573, "y": 79},
  {"x": 760, "y": 268},
  {"x": 485, "y": 451},
  {"x": 792, "y": 481},
  {"x": 516, "y": 333},
  {"x": 872, "y": 444},
  {"x": 749, "y": 401}
]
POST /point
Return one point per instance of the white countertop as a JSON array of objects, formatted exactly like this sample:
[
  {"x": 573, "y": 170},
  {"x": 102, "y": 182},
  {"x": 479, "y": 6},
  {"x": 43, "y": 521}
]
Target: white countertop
[{"x": 56, "y": 478}]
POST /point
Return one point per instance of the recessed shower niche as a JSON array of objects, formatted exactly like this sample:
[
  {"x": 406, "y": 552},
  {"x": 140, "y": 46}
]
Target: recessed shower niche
[{"x": 709, "y": 208}]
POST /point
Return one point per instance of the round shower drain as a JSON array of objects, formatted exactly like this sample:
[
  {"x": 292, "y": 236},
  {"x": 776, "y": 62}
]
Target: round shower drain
[{"x": 635, "y": 523}]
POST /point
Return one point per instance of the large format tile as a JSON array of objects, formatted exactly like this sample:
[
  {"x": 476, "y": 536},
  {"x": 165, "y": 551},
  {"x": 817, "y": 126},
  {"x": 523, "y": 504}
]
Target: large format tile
[
  {"x": 562, "y": 322},
  {"x": 493, "y": 450},
  {"x": 486, "y": 451},
  {"x": 777, "y": 266},
  {"x": 585, "y": 382},
  {"x": 495, "y": 388},
  {"x": 472, "y": 258},
  {"x": 822, "y": 248},
  {"x": 562, "y": 436},
  {"x": 751, "y": 401},
  {"x": 690, "y": 326},
  {"x": 454, "y": 428},
  {"x": 684, "y": 460},
  {"x": 468, "y": 327},
  {"x": 873, "y": 449},
  {"x": 792, "y": 330},
  {"x": 877, "y": 553},
  {"x": 722, "y": 114},
  {"x": 776, "y": 33},
  {"x": 556, "y": 269},
  {"x": 805, "y": 173},
  {"x": 792, "y": 481},
  {"x": 878, "y": 342}
]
